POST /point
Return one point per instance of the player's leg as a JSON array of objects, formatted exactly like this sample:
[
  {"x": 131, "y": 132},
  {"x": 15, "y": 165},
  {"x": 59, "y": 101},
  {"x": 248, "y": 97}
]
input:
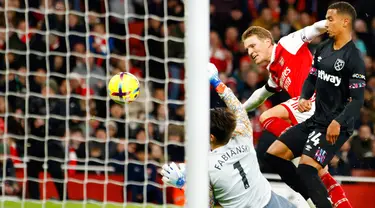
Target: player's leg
[
  {"x": 33, "y": 169},
  {"x": 308, "y": 171},
  {"x": 335, "y": 190},
  {"x": 283, "y": 116},
  {"x": 54, "y": 168},
  {"x": 276, "y": 120},
  {"x": 316, "y": 155},
  {"x": 280, "y": 118},
  {"x": 278, "y": 156},
  {"x": 278, "y": 201}
]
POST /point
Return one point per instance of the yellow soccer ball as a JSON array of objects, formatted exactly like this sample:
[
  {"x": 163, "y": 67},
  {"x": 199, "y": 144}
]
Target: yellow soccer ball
[{"x": 123, "y": 88}]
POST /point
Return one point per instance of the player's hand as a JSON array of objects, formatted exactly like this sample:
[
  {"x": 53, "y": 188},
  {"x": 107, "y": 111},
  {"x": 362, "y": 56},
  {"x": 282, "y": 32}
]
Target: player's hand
[
  {"x": 213, "y": 75},
  {"x": 333, "y": 132},
  {"x": 174, "y": 175},
  {"x": 304, "y": 105}
]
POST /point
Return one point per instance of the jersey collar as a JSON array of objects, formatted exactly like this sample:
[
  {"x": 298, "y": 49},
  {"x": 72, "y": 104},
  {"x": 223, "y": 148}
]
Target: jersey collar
[{"x": 272, "y": 56}]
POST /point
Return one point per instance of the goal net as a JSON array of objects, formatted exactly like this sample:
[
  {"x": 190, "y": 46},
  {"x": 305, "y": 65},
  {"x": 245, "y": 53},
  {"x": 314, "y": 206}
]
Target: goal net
[{"x": 63, "y": 139}]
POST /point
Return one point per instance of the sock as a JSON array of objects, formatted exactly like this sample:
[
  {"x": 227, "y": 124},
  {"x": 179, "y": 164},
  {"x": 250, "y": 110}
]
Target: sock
[
  {"x": 316, "y": 189},
  {"x": 288, "y": 173},
  {"x": 276, "y": 125},
  {"x": 336, "y": 192}
]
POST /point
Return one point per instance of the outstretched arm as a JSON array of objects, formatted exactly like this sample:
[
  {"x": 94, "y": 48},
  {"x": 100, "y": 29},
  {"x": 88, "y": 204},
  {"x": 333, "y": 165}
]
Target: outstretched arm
[
  {"x": 310, "y": 32},
  {"x": 243, "y": 126},
  {"x": 260, "y": 95},
  {"x": 257, "y": 98},
  {"x": 293, "y": 42},
  {"x": 175, "y": 175}
]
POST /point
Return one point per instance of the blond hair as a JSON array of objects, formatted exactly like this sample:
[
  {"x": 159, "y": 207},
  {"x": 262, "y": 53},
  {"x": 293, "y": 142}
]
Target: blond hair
[{"x": 260, "y": 32}]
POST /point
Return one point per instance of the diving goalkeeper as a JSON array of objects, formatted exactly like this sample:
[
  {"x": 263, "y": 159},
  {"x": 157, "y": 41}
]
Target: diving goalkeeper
[{"x": 235, "y": 177}]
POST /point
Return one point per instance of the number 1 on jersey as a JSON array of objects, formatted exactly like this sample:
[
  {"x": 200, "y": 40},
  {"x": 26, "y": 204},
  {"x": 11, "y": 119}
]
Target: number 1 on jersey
[{"x": 238, "y": 166}]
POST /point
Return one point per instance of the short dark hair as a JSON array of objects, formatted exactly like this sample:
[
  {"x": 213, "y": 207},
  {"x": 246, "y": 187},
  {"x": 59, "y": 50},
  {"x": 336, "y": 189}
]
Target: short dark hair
[
  {"x": 343, "y": 7},
  {"x": 141, "y": 148},
  {"x": 223, "y": 123}
]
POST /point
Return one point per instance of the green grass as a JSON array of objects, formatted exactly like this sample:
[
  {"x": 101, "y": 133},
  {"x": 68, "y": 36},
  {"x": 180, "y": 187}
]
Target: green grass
[{"x": 50, "y": 204}]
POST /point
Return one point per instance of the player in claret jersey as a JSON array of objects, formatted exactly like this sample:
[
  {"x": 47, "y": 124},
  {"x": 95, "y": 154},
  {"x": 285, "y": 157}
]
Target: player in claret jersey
[
  {"x": 338, "y": 79},
  {"x": 289, "y": 62}
]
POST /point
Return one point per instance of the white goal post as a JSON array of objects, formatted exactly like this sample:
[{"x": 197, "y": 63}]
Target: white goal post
[
  {"x": 56, "y": 41},
  {"x": 197, "y": 102}
]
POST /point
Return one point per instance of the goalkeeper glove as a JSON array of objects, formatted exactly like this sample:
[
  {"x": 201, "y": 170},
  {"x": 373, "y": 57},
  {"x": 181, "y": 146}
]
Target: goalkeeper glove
[
  {"x": 213, "y": 75},
  {"x": 174, "y": 175}
]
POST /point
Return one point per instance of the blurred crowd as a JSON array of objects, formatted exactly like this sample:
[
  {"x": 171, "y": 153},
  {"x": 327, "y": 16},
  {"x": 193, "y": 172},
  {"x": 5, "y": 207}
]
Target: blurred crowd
[{"x": 56, "y": 58}]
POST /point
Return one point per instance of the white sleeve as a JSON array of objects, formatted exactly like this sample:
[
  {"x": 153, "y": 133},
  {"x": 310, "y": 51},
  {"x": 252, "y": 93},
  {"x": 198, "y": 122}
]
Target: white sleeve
[
  {"x": 293, "y": 42},
  {"x": 310, "y": 32},
  {"x": 272, "y": 83},
  {"x": 257, "y": 98}
]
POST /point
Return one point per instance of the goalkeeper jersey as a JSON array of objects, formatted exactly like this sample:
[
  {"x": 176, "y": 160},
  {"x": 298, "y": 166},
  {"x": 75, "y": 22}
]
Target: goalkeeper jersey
[
  {"x": 234, "y": 171},
  {"x": 235, "y": 175}
]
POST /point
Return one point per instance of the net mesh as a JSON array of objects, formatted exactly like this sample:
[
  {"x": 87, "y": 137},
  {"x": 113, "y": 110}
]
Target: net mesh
[{"x": 62, "y": 137}]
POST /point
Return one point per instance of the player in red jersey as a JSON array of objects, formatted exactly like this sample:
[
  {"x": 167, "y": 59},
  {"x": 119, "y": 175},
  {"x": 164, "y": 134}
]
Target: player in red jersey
[{"x": 289, "y": 62}]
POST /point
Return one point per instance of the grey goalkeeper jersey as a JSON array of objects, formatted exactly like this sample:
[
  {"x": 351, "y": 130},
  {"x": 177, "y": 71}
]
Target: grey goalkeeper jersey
[{"x": 234, "y": 171}]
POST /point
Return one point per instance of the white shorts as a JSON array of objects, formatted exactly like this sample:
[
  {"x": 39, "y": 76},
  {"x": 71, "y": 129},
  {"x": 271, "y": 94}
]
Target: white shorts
[{"x": 295, "y": 116}]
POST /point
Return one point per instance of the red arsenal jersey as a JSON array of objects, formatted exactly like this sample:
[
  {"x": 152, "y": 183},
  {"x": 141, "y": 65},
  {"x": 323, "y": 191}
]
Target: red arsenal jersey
[{"x": 290, "y": 64}]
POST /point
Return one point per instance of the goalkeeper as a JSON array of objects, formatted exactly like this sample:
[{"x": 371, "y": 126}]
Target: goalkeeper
[{"x": 235, "y": 177}]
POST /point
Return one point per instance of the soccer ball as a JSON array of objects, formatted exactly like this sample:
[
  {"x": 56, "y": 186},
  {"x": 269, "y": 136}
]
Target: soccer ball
[{"x": 123, "y": 88}]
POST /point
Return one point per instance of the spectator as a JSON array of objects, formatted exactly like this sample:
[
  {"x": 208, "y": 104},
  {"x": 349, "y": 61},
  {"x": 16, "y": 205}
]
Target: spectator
[
  {"x": 178, "y": 114},
  {"x": 125, "y": 150},
  {"x": 156, "y": 50},
  {"x": 265, "y": 20},
  {"x": 112, "y": 129},
  {"x": 13, "y": 16},
  {"x": 38, "y": 81},
  {"x": 98, "y": 42},
  {"x": 361, "y": 145},
  {"x": 117, "y": 113},
  {"x": 117, "y": 7},
  {"x": 140, "y": 135},
  {"x": 92, "y": 73},
  {"x": 75, "y": 26},
  {"x": 136, "y": 173},
  {"x": 342, "y": 163},
  {"x": 58, "y": 66},
  {"x": 219, "y": 55},
  {"x": 157, "y": 154},
  {"x": 176, "y": 150},
  {"x": 10, "y": 185},
  {"x": 159, "y": 116},
  {"x": 276, "y": 32},
  {"x": 274, "y": 6},
  {"x": 39, "y": 141},
  {"x": 290, "y": 22},
  {"x": 359, "y": 44},
  {"x": 176, "y": 49},
  {"x": 251, "y": 84}
]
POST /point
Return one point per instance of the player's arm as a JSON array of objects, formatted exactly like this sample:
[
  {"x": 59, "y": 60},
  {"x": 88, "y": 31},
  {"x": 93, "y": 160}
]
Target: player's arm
[
  {"x": 308, "y": 88},
  {"x": 293, "y": 42},
  {"x": 310, "y": 32},
  {"x": 243, "y": 126},
  {"x": 260, "y": 95},
  {"x": 174, "y": 175},
  {"x": 357, "y": 83},
  {"x": 211, "y": 197}
]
